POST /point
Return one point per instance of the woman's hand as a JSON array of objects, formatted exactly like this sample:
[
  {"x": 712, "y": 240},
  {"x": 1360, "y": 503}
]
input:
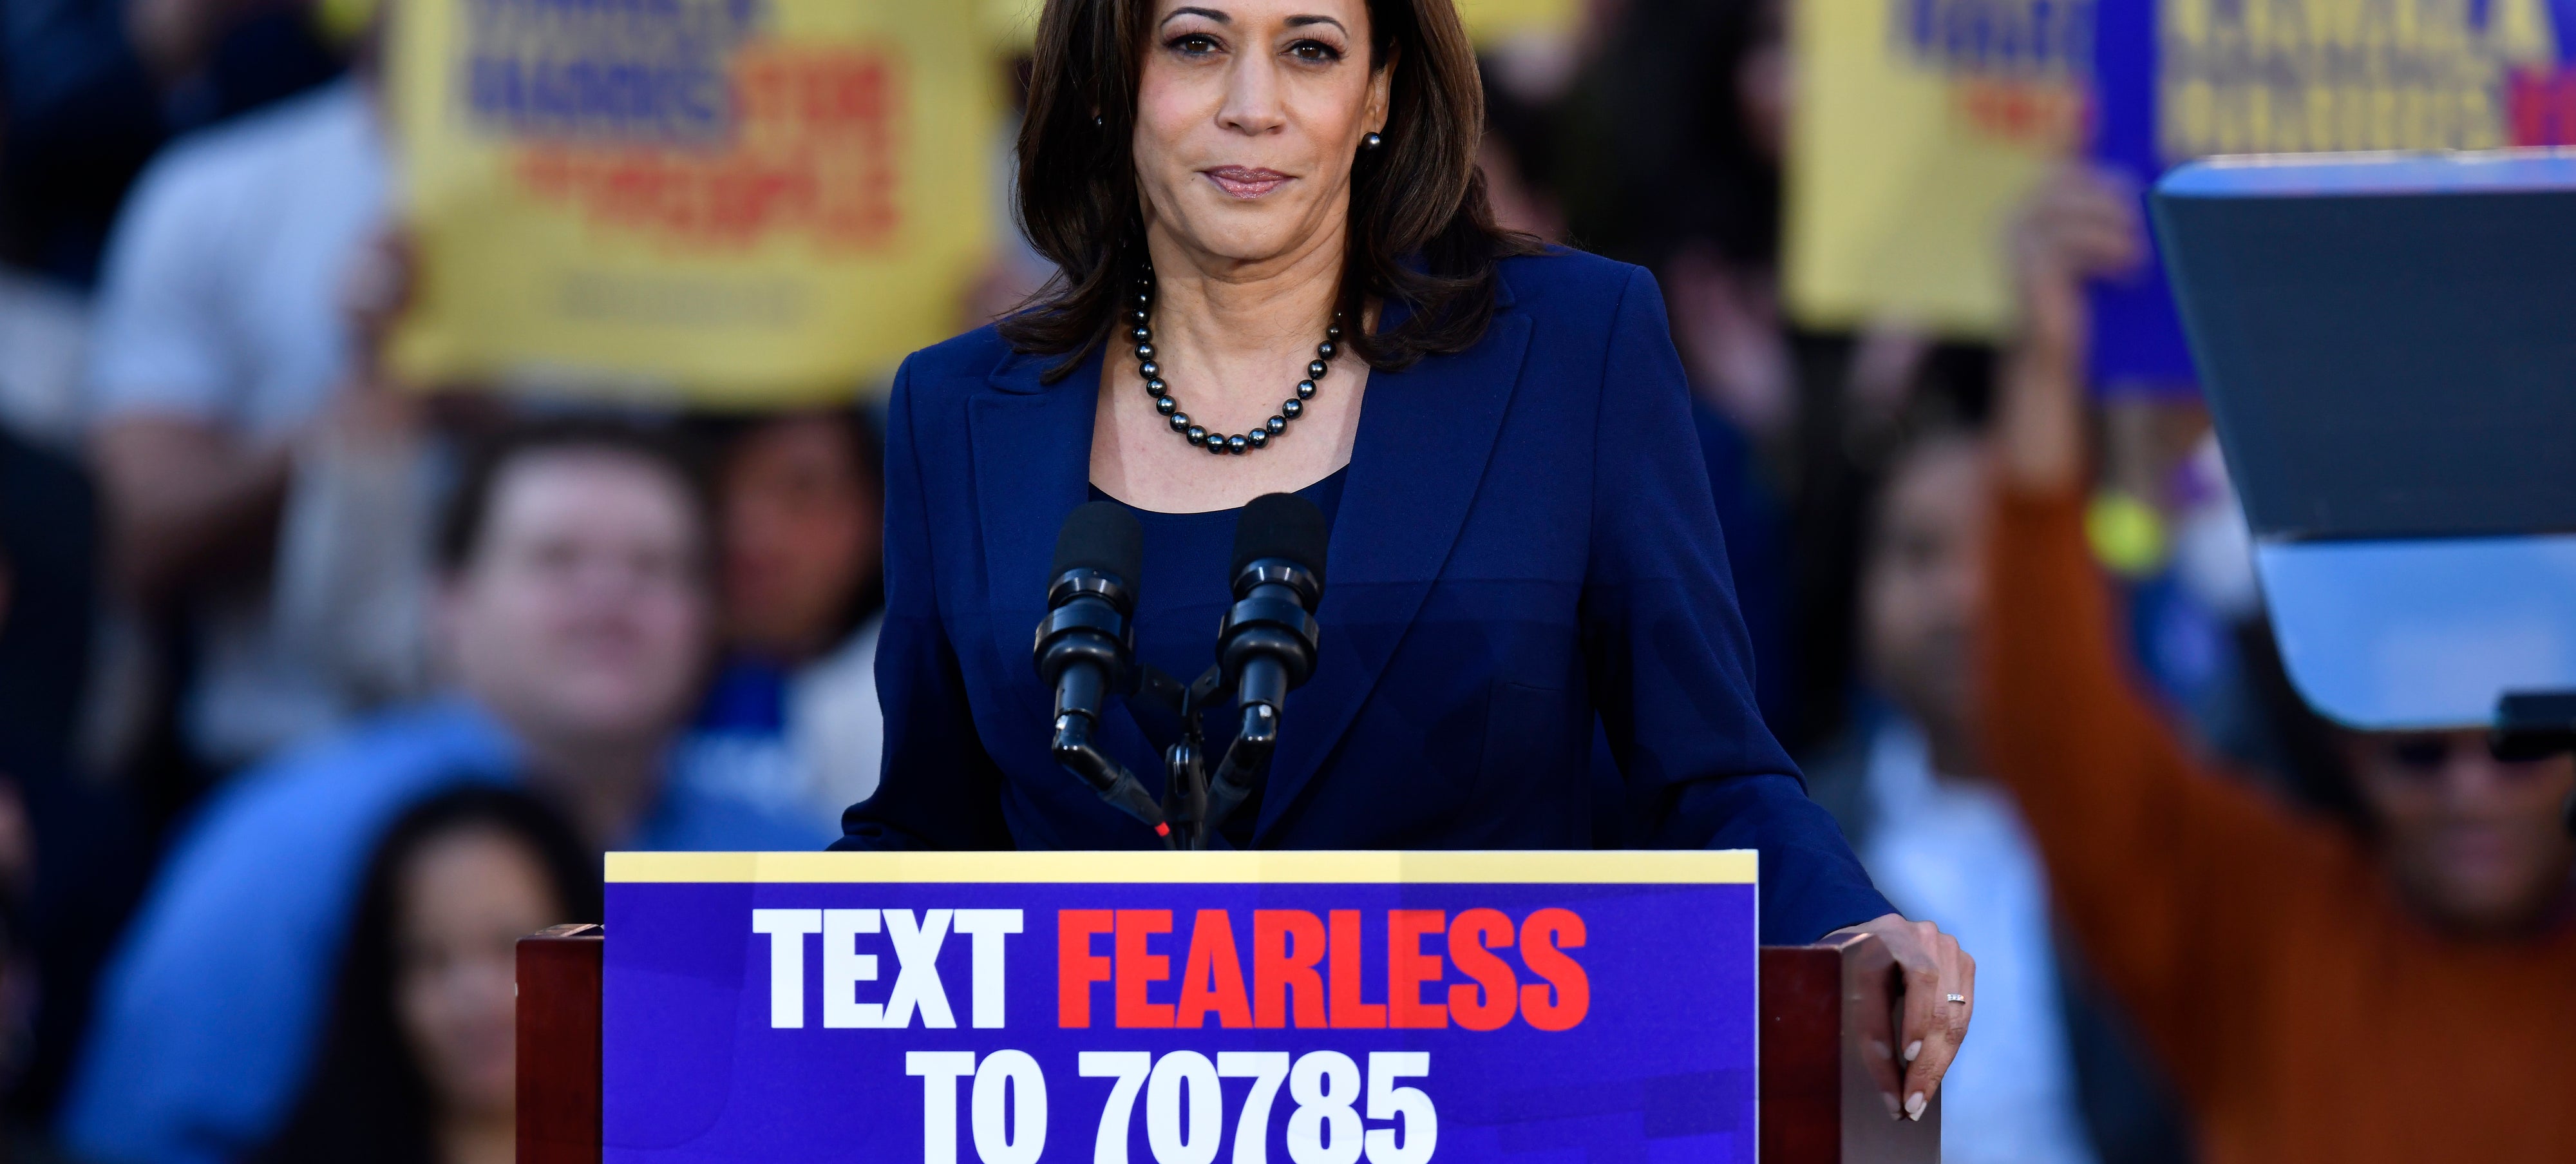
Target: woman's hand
[{"x": 1931, "y": 1026}]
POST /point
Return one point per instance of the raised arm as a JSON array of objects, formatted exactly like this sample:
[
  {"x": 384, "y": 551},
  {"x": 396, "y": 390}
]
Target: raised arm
[
  {"x": 2169, "y": 876},
  {"x": 939, "y": 789}
]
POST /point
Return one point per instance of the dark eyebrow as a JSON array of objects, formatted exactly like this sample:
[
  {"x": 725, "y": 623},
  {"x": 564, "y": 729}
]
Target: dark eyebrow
[
  {"x": 1303, "y": 21},
  {"x": 1210, "y": 13}
]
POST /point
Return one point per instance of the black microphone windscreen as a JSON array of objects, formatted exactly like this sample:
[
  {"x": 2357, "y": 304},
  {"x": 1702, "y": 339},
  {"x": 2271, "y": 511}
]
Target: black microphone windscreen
[
  {"x": 1281, "y": 525},
  {"x": 1103, "y": 536}
]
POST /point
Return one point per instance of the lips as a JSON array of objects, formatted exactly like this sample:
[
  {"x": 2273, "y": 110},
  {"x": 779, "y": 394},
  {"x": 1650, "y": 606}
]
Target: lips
[{"x": 1246, "y": 182}]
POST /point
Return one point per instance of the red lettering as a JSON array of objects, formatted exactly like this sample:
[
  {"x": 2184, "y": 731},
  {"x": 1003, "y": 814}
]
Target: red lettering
[
  {"x": 1408, "y": 968},
  {"x": 1212, "y": 981},
  {"x": 1344, "y": 950},
  {"x": 1136, "y": 968},
  {"x": 1286, "y": 945},
  {"x": 1076, "y": 967},
  {"x": 1489, "y": 1003},
  {"x": 1544, "y": 938}
]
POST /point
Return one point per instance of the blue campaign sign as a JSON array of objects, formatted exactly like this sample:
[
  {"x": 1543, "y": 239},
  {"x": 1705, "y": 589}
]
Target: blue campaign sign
[
  {"x": 1179, "y": 1008},
  {"x": 2178, "y": 80}
]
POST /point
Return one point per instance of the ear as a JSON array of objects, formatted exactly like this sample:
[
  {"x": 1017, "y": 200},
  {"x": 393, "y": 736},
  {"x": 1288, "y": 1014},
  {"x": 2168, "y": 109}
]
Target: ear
[{"x": 1381, "y": 92}]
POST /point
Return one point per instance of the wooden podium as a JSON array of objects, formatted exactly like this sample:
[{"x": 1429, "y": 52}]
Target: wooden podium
[{"x": 1825, "y": 1015}]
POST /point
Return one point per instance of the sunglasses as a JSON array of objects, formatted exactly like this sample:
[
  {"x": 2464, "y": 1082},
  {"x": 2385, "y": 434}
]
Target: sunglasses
[{"x": 2428, "y": 755}]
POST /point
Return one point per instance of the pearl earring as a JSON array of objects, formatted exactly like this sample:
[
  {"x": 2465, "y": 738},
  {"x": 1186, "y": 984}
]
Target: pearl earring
[{"x": 1371, "y": 142}]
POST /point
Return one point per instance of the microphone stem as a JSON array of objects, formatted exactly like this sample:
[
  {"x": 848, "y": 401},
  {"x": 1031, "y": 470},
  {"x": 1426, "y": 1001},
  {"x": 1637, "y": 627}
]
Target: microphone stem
[
  {"x": 1106, "y": 776},
  {"x": 1246, "y": 762}
]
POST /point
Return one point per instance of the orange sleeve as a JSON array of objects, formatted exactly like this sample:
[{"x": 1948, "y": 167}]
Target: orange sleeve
[{"x": 2170, "y": 876}]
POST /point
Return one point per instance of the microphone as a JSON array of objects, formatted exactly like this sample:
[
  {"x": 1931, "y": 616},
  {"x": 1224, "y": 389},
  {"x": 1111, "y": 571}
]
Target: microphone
[
  {"x": 1266, "y": 644},
  {"x": 1085, "y": 646}
]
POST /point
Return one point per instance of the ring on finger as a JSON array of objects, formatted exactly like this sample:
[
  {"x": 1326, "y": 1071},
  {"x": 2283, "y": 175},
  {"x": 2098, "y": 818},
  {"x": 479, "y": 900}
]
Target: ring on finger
[{"x": 1959, "y": 998}]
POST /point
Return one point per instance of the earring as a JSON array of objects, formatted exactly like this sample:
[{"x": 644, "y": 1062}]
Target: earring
[{"x": 1371, "y": 142}]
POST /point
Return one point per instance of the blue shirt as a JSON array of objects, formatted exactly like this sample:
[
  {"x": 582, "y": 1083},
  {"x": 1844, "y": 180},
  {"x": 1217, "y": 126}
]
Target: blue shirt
[
  {"x": 211, "y": 1008},
  {"x": 1181, "y": 599}
]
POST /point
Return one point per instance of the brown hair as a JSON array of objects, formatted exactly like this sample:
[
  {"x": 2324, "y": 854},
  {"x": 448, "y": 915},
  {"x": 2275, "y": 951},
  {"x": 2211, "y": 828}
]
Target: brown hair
[
  {"x": 1421, "y": 232},
  {"x": 468, "y": 508}
]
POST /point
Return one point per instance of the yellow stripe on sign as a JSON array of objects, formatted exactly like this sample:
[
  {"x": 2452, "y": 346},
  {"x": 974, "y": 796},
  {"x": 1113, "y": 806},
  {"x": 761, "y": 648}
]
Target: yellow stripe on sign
[{"x": 1623, "y": 867}]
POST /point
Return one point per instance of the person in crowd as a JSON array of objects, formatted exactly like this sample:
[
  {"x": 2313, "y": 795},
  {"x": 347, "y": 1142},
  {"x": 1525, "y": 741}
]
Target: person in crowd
[
  {"x": 2048, "y": 1079},
  {"x": 791, "y": 719},
  {"x": 1669, "y": 156},
  {"x": 1498, "y": 436},
  {"x": 574, "y": 620},
  {"x": 416, "y": 1064},
  {"x": 2391, "y": 989},
  {"x": 257, "y": 475}
]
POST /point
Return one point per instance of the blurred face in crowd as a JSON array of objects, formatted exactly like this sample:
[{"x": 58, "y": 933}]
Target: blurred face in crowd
[
  {"x": 2474, "y": 842},
  {"x": 803, "y": 532},
  {"x": 1763, "y": 81},
  {"x": 1249, "y": 114},
  {"x": 1920, "y": 587},
  {"x": 465, "y": 900},
  {"x": 582, "y": 614}
]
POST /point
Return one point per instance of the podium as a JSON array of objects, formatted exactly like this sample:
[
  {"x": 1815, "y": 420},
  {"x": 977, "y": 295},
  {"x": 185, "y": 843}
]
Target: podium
[{"x": 1824, "y": 1017}]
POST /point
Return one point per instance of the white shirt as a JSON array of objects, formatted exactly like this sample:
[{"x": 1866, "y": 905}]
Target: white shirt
[
  {"x": 44, "y": 339},
  {"x": 221, "y": 303},
  {"x": 1955, "y": 852},
  {"x": 828, "y": 755}
]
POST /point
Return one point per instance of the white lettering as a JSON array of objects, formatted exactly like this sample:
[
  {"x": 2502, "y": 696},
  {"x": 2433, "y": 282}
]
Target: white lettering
[
  {"x": 1386, "y": 1101},
  {"x": 787, "y": 929},
  {"x": 844, "y": 967},
  {"x": 988, "y": 926},
  {"x": 916, "y": 978},
  {"x": 1025, "y": 1106},
  {"x": 1178, "y": 1137},
  {"x": 1110, "y": 1146},
  {"x": 938, "y": 1071},
  {"x": 1266, "y": 1069}
]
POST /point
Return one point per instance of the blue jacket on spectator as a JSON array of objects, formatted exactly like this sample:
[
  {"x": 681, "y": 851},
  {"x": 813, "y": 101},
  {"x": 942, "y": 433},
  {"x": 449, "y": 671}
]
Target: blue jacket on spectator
[{"x": 212, "y": 1006}]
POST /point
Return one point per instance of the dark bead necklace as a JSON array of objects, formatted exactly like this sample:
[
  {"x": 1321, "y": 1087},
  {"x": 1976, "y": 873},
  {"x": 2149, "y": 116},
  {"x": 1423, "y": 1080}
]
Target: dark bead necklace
[{"x": 1170, "y": 409}]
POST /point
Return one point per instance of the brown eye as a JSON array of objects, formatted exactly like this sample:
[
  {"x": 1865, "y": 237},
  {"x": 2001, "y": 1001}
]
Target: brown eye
[
  {"x": 1314, "y": 50},
  {"x": 1194, "y": 44}
]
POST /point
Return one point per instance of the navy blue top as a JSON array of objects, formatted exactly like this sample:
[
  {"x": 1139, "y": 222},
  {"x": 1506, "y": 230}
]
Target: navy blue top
[
  {"x": 1526, "y": 546},
  {"x": 1179, "y": 602}
]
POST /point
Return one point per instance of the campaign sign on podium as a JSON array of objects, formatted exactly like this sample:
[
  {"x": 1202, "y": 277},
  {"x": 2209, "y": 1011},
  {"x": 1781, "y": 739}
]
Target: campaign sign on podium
[{"x": 1179, "y": 1008}]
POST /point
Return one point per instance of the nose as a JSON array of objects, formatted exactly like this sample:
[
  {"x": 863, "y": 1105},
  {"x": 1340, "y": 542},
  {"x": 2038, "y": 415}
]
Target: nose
[{"x": 1252, "y": 96}]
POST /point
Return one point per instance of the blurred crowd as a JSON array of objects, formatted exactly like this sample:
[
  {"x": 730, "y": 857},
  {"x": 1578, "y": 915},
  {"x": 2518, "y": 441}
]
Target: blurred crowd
[{"x": 317, "y": 689}]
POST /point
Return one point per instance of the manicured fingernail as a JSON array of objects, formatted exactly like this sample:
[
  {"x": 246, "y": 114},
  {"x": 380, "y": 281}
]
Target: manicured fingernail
[
  {"x": 1913, "y": 1049},
  {"x": 1889, "y": 1098},
  {"x": 1914, "y": 1107}
]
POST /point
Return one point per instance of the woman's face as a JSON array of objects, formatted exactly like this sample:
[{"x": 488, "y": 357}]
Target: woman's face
[
  {"x": 1249, "y": 114},
  {"x": 803, "y": 532},
  {"x": 466, "y": 899}
]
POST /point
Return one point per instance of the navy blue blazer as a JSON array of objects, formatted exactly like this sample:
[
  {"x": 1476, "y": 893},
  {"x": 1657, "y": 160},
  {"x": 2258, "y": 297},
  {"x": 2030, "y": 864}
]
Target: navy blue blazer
[{"x": 1526, "y": 544}]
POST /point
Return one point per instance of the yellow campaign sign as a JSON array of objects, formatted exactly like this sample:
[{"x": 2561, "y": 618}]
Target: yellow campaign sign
[
  {"x": 1911, "y": 150},
  {"x": 729, "y": 202}
]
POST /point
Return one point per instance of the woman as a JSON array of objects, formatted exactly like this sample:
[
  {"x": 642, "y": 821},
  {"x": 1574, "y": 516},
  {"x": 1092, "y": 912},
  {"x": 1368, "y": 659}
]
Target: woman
[
  {"x": 1274, "y": 248},
  {"x": 418, "y": 1065},
  {"x": 791, "y": 718}
]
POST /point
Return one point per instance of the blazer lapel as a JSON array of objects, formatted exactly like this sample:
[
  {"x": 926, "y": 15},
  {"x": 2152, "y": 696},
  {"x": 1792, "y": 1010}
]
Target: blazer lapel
[
  {"x": 1032, "y": 451},
  {"x": 1425, "y": 437}
]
